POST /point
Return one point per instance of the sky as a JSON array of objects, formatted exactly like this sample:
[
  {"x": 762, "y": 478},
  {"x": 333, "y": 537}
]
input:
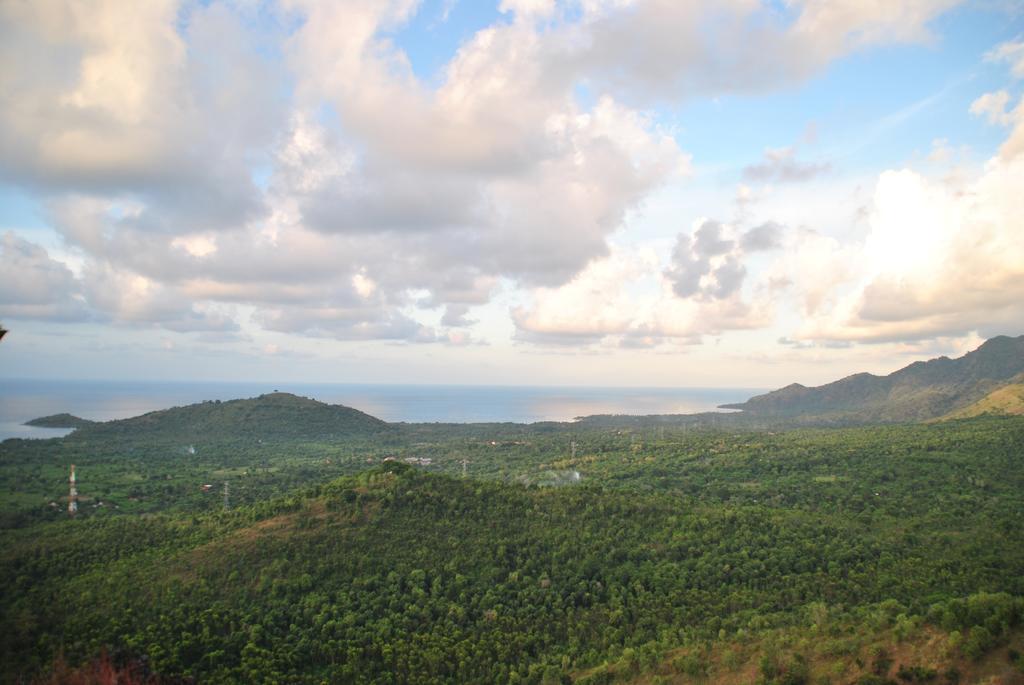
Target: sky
[{"x": 736, "y": 193}]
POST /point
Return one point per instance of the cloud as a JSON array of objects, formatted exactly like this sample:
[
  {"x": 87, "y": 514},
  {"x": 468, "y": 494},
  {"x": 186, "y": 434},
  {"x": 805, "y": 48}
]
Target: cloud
[
  {"x": 456, "y": 315},
  {"x": 129, "y": 299},
  {"x": 659, "y": 50},
  {"x": 593, "y": 305},
  {"x": 499, "y": 166},
  {"x": 112, "y": 97},
  {"x": 196, "y": 160},
  {"x": 345, "y": 323},
  {"x": 813, "y": 266},
  {"x": 528, "y": 9},
  {"x": 351, "y": 206},
  {"x": 706, "y": 264},
  {"x": 992, "y": 106},
  {"x": 35, "y": 286},
  {"x": 939, "y": 261},
  {"x": 766, "y": 236},
  {"x": 632, "y": 300},
  {"x": 780, "y": 165},
  {"x": 1010, "y": 52}
]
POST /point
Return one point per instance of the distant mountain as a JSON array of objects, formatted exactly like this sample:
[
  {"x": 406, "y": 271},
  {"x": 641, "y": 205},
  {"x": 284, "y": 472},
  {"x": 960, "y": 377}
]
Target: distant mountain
[
  {"x": 59, "y": 421},
  {"x": 921, "y": 391},
  {"x": 276, "y": 415}
]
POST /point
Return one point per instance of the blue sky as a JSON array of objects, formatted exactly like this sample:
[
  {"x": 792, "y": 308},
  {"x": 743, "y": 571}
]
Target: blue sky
[{"x": 584, "y": 192}]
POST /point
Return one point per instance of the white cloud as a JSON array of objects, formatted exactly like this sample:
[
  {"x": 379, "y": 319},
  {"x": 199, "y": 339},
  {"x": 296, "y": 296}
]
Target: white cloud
[
  {"x": 1010, "y": 52},
  {"x": 196, "y": 244},
  {"x": 111, "y": 96},
  {"x": 632, "y": 298},
  {"x": 937, "y": 261},
  {"x": 79, "y": 86},
  {"x": 528, "y": 9},
  {"x": 383, "y": 196},
  {"x": 363, "y": 285},
  {"x": 677, "y": 50},
  {"x": 814, "y": 266},
  {"x": 992, "y": 106},
  {"x": 130, "y": 299},
  {"x": 594, "y": 304}
]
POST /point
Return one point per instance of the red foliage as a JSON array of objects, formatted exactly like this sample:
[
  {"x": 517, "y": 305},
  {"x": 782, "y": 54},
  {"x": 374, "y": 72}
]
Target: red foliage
[{"x": 100, "y": 671}]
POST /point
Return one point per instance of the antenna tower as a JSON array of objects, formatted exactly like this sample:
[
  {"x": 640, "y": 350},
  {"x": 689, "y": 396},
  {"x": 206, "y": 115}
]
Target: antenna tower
[
  {"x": 464, "y": 463},
  {"x": 72, "y": 494},
  {"x": 572, "y": 446},
  {"x": 225, "y": 495}
]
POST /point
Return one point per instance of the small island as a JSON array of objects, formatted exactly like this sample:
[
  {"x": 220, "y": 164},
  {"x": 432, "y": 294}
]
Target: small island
[{"x": 63, "y": 420}]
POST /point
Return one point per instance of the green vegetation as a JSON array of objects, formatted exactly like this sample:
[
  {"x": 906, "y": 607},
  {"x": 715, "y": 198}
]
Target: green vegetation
[
  {"x": 274, "y": 416},
  {"x": 59, "y": 421},
  {"x": 871, "y": 645},
  {"x": 679, "y": 549},
  {"x": 1008, "y": 399}
]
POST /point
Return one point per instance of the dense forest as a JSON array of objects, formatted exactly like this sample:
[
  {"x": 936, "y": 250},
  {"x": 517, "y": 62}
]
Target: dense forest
[{"x": 589, "y": 551}]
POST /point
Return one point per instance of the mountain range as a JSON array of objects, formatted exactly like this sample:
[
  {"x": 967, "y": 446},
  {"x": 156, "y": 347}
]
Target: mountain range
[{"x": 989, "y": 379}]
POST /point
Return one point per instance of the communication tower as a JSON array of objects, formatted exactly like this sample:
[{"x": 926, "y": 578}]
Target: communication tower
[
  {"x": 72, "y": 494},
  {"x": 225, "y": 495},
  {"x": 572, "y": 446}
]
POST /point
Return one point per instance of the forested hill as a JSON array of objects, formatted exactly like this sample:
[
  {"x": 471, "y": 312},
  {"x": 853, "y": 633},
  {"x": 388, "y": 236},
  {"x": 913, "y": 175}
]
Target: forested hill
[
  {"x": 59, "y": 421},
  {"x": 272, "y": 416},
  {"x": 1007, "y": 400},
  {"x": 398, "y": 575},
  {"x": 921, "y": 391}
]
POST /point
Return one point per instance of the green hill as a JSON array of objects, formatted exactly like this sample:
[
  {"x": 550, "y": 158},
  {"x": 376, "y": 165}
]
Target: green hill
[
  {"x": 920, "y": 391},
  {"x": 59, "y": 421},
  {"x": 272, "y": 416},
  {"x": 1005, "y": 401},
  {"x": 399, "y": 575}
]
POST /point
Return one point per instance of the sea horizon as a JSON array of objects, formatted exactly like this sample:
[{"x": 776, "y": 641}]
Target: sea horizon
[{"x": 25, "y": 399}]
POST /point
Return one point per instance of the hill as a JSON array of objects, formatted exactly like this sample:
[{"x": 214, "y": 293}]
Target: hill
[
  {"x": 399, "y": 575},
  {"x": 1005, "y": 401},
  {"x": 63, "y": 420},
  {"x": 920, "y": 391},
  {"x": 272, "y": 416}
]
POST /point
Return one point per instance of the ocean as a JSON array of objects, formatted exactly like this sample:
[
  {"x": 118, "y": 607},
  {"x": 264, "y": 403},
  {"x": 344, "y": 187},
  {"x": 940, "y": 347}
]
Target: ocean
[{"x": 23, "y": 400}]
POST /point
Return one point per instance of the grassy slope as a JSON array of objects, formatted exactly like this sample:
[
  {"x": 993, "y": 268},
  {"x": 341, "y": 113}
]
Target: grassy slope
[
  {"x": 1007, "y": 400},
  {"x": 832, "y": 653}
]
